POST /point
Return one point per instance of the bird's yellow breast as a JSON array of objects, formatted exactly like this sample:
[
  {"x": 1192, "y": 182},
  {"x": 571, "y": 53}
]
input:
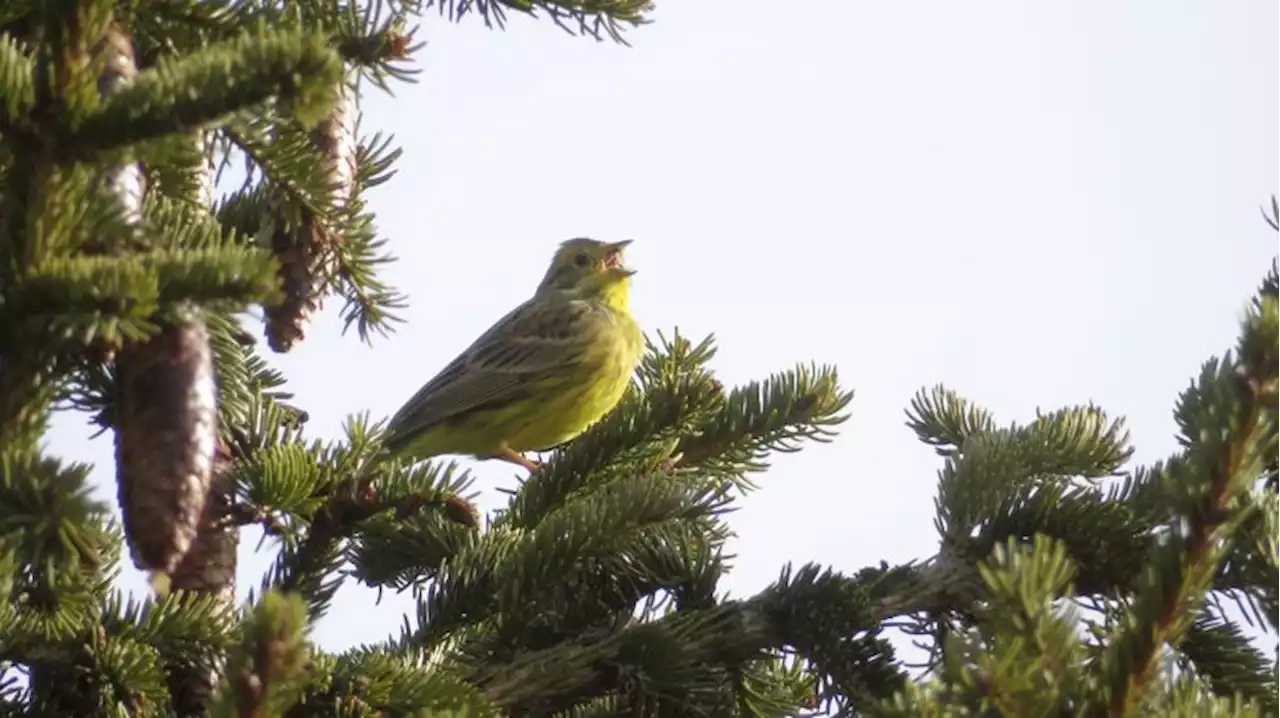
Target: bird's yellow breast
[{"x": 592, "y": 392}]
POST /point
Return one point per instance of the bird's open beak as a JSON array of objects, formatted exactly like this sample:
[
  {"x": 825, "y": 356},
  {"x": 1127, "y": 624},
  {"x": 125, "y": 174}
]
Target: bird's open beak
[{"x": 613, "y": 258}]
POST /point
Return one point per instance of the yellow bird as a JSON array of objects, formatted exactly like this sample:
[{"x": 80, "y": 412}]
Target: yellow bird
[{"x": 538, "y": 377}]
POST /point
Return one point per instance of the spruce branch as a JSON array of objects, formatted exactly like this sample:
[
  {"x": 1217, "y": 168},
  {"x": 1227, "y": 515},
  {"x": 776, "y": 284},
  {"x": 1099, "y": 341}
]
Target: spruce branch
[
  {"x": 944, "y": 420},
  {"x": 681, "y": 655},
  {"x": 294, "y": 67},
  {"x": 1035, "y": 655},
  {"x": 280, "y": 153},
  {"x": 1248, "y": 576},
  {"x": 371, "y": 682},
  {"x": 401, "y": 548},
  {"x": 378, "y": 47},
  {"x": 654, "y": 568},
  {"x": 664, "y": 656},
  {"x": 1108, "y": 533},
  {"x": 267, "y": 669},
  {"x": 591, "y": 527},
  {"x": 26, "y": 392},
  {"x": 17, "y": 86},
  {"x": 594, "y": 18},
  {"x": 47, "y": 206},
  {"x": 991, "y": 468},
  {"x": 1272, "y": 219},
  {"x": 1030, "y": 478},
  {"x": 309, "y": 567},
  {"x": 66, "y": 623},
  {"x": 1219, "y": 652},
  {"x": 50, "y": 519},
  {"x": 833, "y": 622},
  {"x": 674, "y": 393},
  {"x": 763, "y": 417},
  {"x": 88, "y": 306},
  {"x": 254, "y": 407},
  {"x": 371, "y": 305},
  {"x": 504, "y": 573},
  {"x": 351, "y": 489},
  {"x": 188, "y": 630},
  {"x": 369, "y": 35},
  {"x": 1270, "y": 286},
  {"x": 1108, "y": 554},
  {"x": 1024, "y": 656},
  {"x": 1228, "y": 429}
]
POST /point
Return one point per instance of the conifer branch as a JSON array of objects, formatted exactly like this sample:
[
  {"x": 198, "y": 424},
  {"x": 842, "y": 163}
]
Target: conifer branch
[
  {"x": 1229, "y": 426},
  {"x": 1222, "y": 654},
  {"x": 371, "y": 682},
  {"x": 774, "y": 415},
  {"x": 295, "y": 68},
  {"x": 1273, "y": 218},
  {"x": 595, "y": 18},
  {"x": 666, "y": 656},
  {"x": 944, "y": 420},
  {"x": 25, "y": 394},
  {"x": 18, "y": 78},
  {"x": 378, "y": 48},
  {"x": 266, "y": 669},
  {"x": 353, "y": 490},
  {"x": 659, "y": 411}
]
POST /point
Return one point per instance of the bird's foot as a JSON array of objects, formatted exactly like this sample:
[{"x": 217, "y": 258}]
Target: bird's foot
[{"x": 509, "y": 455}]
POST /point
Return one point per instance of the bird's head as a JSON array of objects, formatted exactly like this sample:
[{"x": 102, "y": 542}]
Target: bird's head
[{"x": 590, "y": 267}]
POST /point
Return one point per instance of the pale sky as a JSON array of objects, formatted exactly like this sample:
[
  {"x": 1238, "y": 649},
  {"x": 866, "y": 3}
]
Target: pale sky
[{"x": 1037, "y": 204}]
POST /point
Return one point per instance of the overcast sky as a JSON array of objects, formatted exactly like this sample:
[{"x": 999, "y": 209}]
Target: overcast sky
[{"x": 1037, "y": 204}]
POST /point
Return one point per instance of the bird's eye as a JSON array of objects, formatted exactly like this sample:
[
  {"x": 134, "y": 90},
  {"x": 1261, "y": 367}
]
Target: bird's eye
[{"x": 582, "y": 259}]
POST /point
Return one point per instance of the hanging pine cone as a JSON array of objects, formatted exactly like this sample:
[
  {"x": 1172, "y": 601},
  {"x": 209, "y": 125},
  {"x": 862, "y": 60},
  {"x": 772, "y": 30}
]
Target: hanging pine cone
[
  {"x": 210, "y": 564},
  {"x": 125, "y": 181},
  {"x": 165, "y": 437},
  {"x": 166, "y": 415},
  {"x": 461, "y": 511},
  {"x": 208, "y": 567},
  {"x": 308, "y": 256}
]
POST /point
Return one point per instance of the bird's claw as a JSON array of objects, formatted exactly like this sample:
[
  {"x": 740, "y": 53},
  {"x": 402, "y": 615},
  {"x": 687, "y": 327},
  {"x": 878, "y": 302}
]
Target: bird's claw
[{"x": 515, "y": 457}]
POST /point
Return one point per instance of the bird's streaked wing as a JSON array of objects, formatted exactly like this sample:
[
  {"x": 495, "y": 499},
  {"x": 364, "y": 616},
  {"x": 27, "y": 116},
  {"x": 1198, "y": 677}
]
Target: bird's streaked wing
[{"x": 539, "y": 339}]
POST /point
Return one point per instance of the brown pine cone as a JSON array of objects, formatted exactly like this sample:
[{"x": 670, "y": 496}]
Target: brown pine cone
[
  {"x": 308, "y": 255},
  {"x": 166, "y": 431}
]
